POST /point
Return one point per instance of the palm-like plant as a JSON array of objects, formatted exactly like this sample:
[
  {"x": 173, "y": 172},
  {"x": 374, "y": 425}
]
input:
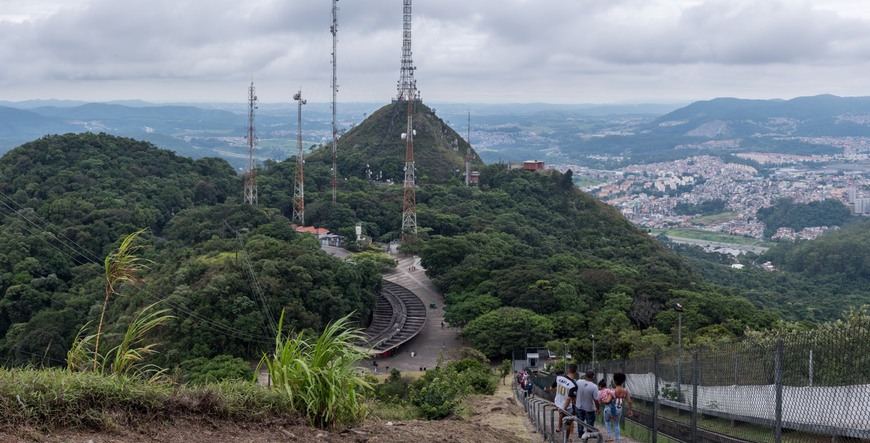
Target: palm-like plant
[
  {"x": 321, "y": 377},
  {"x": 128, "y": 357},
  {"x": 121, "y": 266}
]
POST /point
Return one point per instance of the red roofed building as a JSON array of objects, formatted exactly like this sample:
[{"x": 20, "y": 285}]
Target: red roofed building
[{"x": 533, "y": 165}]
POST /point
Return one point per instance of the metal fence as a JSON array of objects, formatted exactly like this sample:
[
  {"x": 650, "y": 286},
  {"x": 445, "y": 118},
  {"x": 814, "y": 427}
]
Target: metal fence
[
  {"x": 545, "y": 417},
  {"x": 808, "y": 387}
]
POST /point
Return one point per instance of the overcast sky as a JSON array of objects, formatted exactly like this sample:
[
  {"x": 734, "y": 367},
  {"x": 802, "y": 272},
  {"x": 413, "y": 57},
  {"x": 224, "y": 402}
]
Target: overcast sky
[{"x": 466, "y": 51}]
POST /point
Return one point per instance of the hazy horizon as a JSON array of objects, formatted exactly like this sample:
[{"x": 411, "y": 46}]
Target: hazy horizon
[{"x": 484, "y": 52}]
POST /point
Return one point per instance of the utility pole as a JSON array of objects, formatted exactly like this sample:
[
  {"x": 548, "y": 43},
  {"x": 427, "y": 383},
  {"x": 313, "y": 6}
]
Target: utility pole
[
  {"x": 408, "y": 93},
  {"x": 334, "y": 30},
  {"x": 299, "y": 188},
  {"x": 250, "y": 178}
]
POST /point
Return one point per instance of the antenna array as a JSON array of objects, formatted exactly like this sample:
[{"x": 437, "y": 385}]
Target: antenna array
[
  {"x": 408, "y": 93},
  {"x": 468, "y": 153},
  {"x": 299, "y": 189},
  {"x": 250, "y": 178},
  {"x": 334, "y": 30}
]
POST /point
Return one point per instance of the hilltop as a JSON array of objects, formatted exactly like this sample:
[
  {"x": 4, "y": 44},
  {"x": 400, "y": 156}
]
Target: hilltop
[{"x": 439, "y": 151}]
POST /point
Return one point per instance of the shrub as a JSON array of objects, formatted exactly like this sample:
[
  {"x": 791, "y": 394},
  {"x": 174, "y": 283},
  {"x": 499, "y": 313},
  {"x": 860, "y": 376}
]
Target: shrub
[
  {"x": 320, "y": 376},
  {"x": 203, "y": 370},
  {"x": 438, "y": 393}
]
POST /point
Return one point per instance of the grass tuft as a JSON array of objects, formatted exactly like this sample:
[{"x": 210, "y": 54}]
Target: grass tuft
[{"x": 49, "y": 399}]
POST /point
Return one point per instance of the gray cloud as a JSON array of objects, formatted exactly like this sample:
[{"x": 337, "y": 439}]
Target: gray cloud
[{"x": 484, "y": 50}]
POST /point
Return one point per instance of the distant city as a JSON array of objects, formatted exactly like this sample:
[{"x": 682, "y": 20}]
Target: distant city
[{"x": 647, "y": 194}]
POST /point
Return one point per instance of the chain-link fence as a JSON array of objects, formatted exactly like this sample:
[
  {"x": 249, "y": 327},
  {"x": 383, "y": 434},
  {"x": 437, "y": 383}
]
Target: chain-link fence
[{"x": 807, "y": 387}]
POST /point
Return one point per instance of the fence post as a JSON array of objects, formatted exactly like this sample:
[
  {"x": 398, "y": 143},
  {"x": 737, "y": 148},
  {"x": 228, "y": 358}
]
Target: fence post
[
  {"x": 811, "y": 368},
  {"x": 736, "y": 377},
  {"x": 553, "y": 425},
  {"x": 778, "y": 380},
  {"x": 655, "y": 411},
  {"x": 695, "y": 371}
]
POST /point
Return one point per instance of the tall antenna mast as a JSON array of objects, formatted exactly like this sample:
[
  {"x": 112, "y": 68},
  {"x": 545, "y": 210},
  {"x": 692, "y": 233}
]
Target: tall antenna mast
[
  {"x": 334, "y": 30},
  {"x": 408, "y": 93},
  {"x": 251, "y": 179},
  {"x": 468, "y": 153},
  {"x": 299, "y": 190}
]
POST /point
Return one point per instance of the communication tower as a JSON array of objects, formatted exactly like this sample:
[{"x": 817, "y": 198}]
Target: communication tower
[
  {"x": 468, "y": 153},
  {"x": 334, "y": 30},
  {"x": 299, "y": 189},
  {"x": 408, "y": 93},
  {"x": 251, "y": 177}
]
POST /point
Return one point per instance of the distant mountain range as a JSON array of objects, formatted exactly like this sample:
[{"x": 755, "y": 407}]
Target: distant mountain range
[
  {"x": 736, "y": 125},
  {"x": 556, "y": 133}
]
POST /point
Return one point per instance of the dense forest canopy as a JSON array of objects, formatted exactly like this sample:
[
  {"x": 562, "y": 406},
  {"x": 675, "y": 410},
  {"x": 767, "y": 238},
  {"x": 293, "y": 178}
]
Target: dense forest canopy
[
  {"x": 225, "y": 269},
  {"x": 525, "y": 248},
  {"x": 785, "y": 213}
]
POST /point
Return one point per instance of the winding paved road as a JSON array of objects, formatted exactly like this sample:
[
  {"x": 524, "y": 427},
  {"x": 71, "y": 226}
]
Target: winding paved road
[{"x": 433, "y": 339}]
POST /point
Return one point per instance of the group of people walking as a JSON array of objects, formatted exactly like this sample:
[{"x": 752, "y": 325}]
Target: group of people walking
[{"x": 586, "y": 400}]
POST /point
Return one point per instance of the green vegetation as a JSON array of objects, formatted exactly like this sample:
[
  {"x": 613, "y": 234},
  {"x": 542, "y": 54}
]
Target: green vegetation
[
  {"x": 788, "y": 214},
  {"x": 717, "y": 237},
  {"x": 533, "y": 242},
  {"x": 814, "y": 281},
  {"x": 225, "y": 270},
  {"x": 704, "y": 208},
  {"x": 377, "y": 144},
  {"x": 714, "y": 218},
  {"x": 47, "y": 399},
  {"x": 318, "y": 375}
]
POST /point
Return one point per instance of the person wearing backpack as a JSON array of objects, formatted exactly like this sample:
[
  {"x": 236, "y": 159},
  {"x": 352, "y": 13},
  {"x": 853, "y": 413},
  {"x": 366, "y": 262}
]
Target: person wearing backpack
[{"x": 621, "y": 399}]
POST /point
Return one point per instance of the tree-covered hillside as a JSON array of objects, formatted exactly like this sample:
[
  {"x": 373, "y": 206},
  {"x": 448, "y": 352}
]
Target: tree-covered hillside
[
  {"x": 223, "y": 268},
  {"x": 532, "y": 241},
  {"x": 524, "y": 246},
  {"x": 439, "y": 152}
]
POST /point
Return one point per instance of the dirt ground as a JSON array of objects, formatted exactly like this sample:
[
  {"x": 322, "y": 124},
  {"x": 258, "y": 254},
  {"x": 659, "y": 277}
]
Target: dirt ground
[{"x": 494, "y": 419}]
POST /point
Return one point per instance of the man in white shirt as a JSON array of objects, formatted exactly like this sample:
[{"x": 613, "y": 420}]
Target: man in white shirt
[{"x": 566, "y": 392}]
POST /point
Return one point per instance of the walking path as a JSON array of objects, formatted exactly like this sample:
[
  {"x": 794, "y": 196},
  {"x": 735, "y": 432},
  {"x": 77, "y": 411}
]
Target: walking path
[{"x": 433, "y": 339}]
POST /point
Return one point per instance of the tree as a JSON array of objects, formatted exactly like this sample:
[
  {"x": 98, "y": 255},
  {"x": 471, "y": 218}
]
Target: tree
[
  {"x": 499, "y": 332},
  {"x": 505, "y": 369}
]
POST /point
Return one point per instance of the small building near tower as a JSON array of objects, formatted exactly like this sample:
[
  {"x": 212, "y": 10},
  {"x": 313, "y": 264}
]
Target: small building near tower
[
  {"x": 533, "y": 165},
  {"x": 474, "y": 179}
]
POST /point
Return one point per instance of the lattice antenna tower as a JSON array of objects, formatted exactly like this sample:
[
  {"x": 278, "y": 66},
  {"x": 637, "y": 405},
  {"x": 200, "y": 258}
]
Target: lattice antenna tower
[
  {"x": 408, "y": 93},
  {"x": 251, "y": 177},
  {"x": 468, "y": 153},
  {"x": 299, "y": 188},
  {"x": 334, "y": 30}
]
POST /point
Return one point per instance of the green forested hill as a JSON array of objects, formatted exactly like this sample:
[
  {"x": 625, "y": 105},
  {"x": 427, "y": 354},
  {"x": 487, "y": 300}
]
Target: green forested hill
[
  {"x": 439, "y": 152},
  {"x": 525, "y": 247},
  {"x": 532, "y": 241},
  {"x": 68, "y": 200}
]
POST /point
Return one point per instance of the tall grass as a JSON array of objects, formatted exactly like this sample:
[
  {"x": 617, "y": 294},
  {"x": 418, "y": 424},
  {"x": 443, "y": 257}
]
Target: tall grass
[
  {"x": 121, "y": 266},
  {"x": 319, "y": 377},
  {"x": 128, "y": 357},
  {"x": 48, "y": 399}
]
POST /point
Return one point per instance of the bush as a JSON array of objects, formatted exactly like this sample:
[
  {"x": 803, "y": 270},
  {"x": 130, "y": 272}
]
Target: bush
[
  {"x": 319, "y": 374},
  {"x": 438, "y": 393},
  {"x": 479, "y": 382},
  {"x": 394, "y": 389},
  {"x": 203, "y": 370}
]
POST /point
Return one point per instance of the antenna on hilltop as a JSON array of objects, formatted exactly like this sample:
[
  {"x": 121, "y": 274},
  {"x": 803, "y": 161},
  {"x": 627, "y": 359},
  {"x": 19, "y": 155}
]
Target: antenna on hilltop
[
  {"x": 250, "y": 178},
  {"x": 468, "y": 153},
  {"x": 298, "y": 189},
  {"x": 408, "y": 93},
  {"x": 334, "y": 30}
]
